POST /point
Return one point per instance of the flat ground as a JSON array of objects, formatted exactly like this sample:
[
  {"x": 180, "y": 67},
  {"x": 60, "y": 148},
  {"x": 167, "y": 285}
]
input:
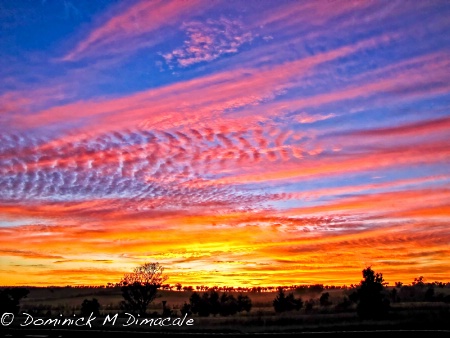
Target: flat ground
[{"x": 406, "y": 315}]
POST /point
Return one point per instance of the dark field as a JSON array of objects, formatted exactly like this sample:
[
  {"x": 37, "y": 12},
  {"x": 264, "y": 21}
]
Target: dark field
[{"x": 410, "y": 313}]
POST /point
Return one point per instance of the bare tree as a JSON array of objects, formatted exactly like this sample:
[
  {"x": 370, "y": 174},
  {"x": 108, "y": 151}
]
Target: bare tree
[{"x": 140, "y": 287}]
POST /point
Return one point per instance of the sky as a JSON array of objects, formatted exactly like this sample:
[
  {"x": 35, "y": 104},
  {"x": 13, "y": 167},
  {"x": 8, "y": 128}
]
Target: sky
[{"x": 236, "y": 143}]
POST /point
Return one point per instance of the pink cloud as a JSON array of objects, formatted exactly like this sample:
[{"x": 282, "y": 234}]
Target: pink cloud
[
  {"x": 214, "y": 94},
  {"x": 133, "y": 24},
  {"x": 208, "y": 41},
  {"x": 308, "y": 118}
]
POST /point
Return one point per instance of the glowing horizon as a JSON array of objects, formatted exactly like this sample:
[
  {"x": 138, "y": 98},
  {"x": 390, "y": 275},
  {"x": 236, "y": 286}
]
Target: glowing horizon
[{"x": 240, "y": 144}]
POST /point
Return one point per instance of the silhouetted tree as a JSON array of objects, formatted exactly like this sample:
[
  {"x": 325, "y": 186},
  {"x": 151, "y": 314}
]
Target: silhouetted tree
[
  {"x": 283, "y": 303},
  {"x": 244, "y": 303},
  {"x": 140, "y": 287},
  {"x": 372, "y": 303},
  {"x": 90, "y": 306},
  {"x": 419, "y": 282},
  {"x": 344, "y": 305},
  {"x": 398, "y": 284},
  {"x": 186, "y": 309},
  {"x": 213, "y": 303},
  {"x": 325, "y": 299},
  {"x": 194, "y": 302},
  {"x": 309, "y": 304},
  {"x": 200, "y": 304},
  {"x": 393, "y": 295},
  {"x": 316, "y": 288},
  {"x": 167, "y": 312},
  {"x": 353, "y": 297},
  {"x": 429, "y": 294},
  {"x": 407, "y": 293},
  {"x": 228, "y": 305},
  {"x": 10, "y": 299}
]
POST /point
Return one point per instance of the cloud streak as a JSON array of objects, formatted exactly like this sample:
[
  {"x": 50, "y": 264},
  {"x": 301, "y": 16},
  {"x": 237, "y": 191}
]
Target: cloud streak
[
  {"x": 207, "y": 42},
  {"x": 302, "y": 141},
  {"x": 134, "y": 23}
]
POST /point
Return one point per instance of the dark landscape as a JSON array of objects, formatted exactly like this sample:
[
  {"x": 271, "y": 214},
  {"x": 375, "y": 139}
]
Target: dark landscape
[
  {"x": 224, "y": 167},
  {"x": 368, "y": 306}
]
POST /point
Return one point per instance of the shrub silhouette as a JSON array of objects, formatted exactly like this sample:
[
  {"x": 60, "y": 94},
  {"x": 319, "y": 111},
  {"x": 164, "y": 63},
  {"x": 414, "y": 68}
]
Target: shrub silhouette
[
  {"x": 393, "y": 295},
  {"x": 344, "y": 305},
  {"x": 283, "y": 303},
  {"x": 325, "y": 299},
  {"x": 213, "y": 303},
  {"x": 372, "y": 303},
  {"x": 90, "y": 306},
  {"x": 429, "y": 294},
  {"x": 228, "y": 305},
  {"x": 186, "y": 309},
  {"x": 419, "y": 282},
  {"x": 10, "y": 299},
  {"x": 244, "y": 303},
  {"x": 200, "y": 304},
  {"x": 309, "y": 304},
  {"x": 167, "y": 312}
]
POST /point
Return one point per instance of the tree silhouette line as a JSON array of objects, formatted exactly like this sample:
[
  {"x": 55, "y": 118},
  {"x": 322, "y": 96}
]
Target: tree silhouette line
[
  {"x": 212, "y": 302},
  {"x": 139, "y": 289}
]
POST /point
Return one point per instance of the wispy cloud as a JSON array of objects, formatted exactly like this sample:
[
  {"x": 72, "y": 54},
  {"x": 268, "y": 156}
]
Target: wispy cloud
[
  {"x": 308, "y": 118},
  {"x": 259, "y": 146},
  {"x": 208, "y": 41},
  {"x": 133, "y": 24}
]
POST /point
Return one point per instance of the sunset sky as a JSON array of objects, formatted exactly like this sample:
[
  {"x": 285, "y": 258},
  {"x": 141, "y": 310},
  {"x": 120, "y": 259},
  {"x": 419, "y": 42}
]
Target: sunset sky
[{"x": 235, "y": 142}]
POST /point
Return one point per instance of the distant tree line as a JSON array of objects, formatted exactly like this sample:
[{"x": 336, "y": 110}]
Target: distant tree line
[
  {"x": 213, "y": 303},
  {"x": 306, "y": 288},
  {"x": 283, "y": 303},
  {"x": 370, "y": 298}
]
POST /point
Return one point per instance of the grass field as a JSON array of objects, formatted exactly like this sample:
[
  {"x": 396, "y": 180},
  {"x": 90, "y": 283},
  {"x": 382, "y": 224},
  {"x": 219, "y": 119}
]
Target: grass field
[
  {"x": 70, "y": 299},
  {"x": 407, "y": 314},
  {"x": 50, "y": 302}
]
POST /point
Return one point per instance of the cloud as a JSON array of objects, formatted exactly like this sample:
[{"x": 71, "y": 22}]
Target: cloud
[
  {"x": 135, "y": 170},
  {"x": 420, "y": 128},
  {"x": 133, "y": 24},
  {"x": 365, "y": 188},
  {"x": 333, "y": 164},
  {"x": 190, "y": 102},
  {"x": 307, "y": 118},
  {"x": 208, "y": 41},
  {"x": 226, "y": 162},
  {"x": 28, "y": 254}
]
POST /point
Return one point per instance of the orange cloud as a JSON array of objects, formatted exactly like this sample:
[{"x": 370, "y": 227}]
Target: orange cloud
[
  {"x": 196, "y": 173},
  {"x": 293, "y": 258}
]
